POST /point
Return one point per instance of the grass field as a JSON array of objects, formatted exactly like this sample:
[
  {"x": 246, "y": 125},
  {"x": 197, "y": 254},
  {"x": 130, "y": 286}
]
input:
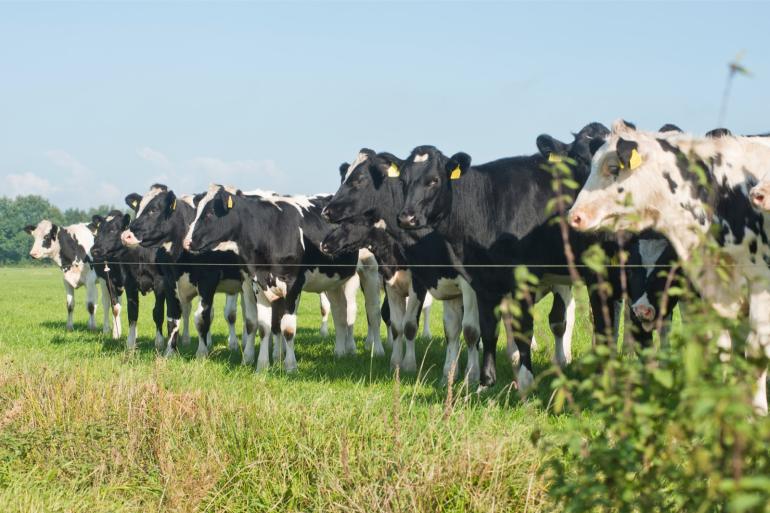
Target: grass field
[{"x": 86, "y": 427}]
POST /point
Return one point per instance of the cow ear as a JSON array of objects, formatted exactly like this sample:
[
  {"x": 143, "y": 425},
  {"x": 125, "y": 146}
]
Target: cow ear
[
  {"x": 133, "y": 200},
  {"x": 458, "y": 165},
  {"x": 551, "y": 148},
  {"x": 718, "y": 132},
  {"x": 170, "y": 202},
  {"x": 344, "y": 169},
  {"x": 388, "y": 165},
  {"x": 197, "y": 198},
  {"x": 96, "y": 221},
  {"x": 223, "y": 202},
  {"x": 30, "y": 228},
  {"x": 126, "y": 221},
  {"x": 628, "y": 154}
]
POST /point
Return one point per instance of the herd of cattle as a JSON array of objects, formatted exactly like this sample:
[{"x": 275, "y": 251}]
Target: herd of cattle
[{"x": 433, "y": 225}]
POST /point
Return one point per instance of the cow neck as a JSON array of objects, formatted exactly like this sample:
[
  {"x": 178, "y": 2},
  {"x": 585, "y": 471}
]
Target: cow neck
[
  {"x": 180, "y": 220},
  {"x": 70, "y": 250}
]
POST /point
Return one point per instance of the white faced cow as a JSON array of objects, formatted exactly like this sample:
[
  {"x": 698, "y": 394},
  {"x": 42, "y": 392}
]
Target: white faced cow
[
  {"x": 640, "y": 180},
  {"x": 69, "y": 247}
]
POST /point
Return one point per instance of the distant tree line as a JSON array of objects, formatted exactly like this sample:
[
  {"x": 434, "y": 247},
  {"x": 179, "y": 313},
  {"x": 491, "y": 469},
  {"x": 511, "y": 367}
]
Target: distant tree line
[{"x": 19, "y": 212}]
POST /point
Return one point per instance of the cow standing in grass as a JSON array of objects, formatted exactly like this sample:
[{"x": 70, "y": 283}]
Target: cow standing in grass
[
  {"x": 135, "y": 265},
  {"x": 69, "y": 247},
  {"x": 161, "y": 221},
  {"x": 695, "y": 191},
  {"x": 276, "y": 240},
  {"x": 494, "y": 217}
]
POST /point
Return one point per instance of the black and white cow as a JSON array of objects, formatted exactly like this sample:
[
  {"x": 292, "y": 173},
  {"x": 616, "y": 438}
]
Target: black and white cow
[
  {"x": 642, "y": 181},
  {"x": 69, "y": 247},
  {"x": 276, "y": 240},
  {"x": 135, "y": 265},
  {"x": 161, "y": 222},
  {"x": 412, "y": 261},
  {"x": 493, "y": 216}
]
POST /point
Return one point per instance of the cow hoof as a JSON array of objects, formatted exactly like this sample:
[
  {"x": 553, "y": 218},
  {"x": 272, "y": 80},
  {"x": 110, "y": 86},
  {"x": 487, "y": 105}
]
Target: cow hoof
[
  {"x": 351, "y": 348},
  {"x": 324, "y": 330},
  {"x": 290, "y": 367},
  {"x": 186, "y": 340},
  {"x": 379, "y": 351},
  {"x": 262, "y": 365},
  {"x": 233, "y": 345},
  {"x": 409, "y": 366},
  {"x": 70, "y": 327},
  {"x": 202, "y": 353}
]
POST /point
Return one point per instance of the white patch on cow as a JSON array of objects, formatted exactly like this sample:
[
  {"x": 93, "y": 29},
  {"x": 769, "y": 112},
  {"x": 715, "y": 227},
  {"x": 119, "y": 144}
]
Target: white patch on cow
[
  {"x": 168, "y": 246},
  {"x": 421, "y": 158},
  {"x": 189, "y": 199},
  {"x": 275, "y": 292},
  {"x": 381, "y": 224},
  {"x": 360, "y": 158},
  {"x": 316, "y": 281},
  {"x": 230, "y": 287},
  {"x": 131, "y": 340},
  {"x": 525, "y": 380},
  {"x": 301, "y": 237},
  {"x": 401, "y": 282},
  {"x": 298, "y": 201},
  {"x": 650, "y": 251},
  {"x": 185, "y": 290},
  {"x": 227, "y": 245},
  {"x": 446, "y": 288},
  {"x": 147, "y": 198}
]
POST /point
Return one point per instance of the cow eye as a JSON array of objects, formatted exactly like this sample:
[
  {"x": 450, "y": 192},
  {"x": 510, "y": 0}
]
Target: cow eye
[
  {"x": 612, "y": 169},
  {"x": 433, "y": 181}
]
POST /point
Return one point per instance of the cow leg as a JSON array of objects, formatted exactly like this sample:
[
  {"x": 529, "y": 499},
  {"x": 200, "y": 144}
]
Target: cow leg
[
  {"x": 264, "y": 325},
  {"x": 289, "y": 330},
  {"x": 250, "y": 319},
  {"x": 597, "y": 313},
  {"x": 562, "y": 321},
  {"x": 325, "y": 307},
  {"x": 132, "y": 303},
  {"x": 69, "y": 290},
  {"x": 91, "y": 298},
  {"x": 111, "y": 303},
  {"x": 157, "y": 317},
  {"x": 337, "y": 301},
  {"x": 511, "y": 349},
  {"x": 173, "y": 315},
  {"x": 370, "y": 285},
  {"x": 397, "y": 308},
  {"x": 759, "y": 339},
  {"x": 471, "y": 331},
  {"x": 488, "y": 321},
  {"x": 349, "y": 289},
  {"x": 411, "y": 321},
  {"x": 231, "y": 315},
  {"x": 453, "y": 321},
  {"x": 385, "y": 313},
  {"x": 426, "y": 304},
  {"x": 186, "y": 306},
  {"x": 206, "y": 290}
]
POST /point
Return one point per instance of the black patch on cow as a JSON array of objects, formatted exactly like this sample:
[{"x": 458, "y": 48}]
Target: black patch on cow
[
  {"x": 736, "y": 214},
  {"x": 71, "y": 250},
  {"x": 620, "y": 190},
  {"x": 624, "y": 150},
  {"x": 670, "y": 127},
  {"x": 718, "y": 132},
  {"x": 753, "y": 246},
  {"x": 672, "y": 185},
  {"x": 698, "y": 215},
  {"x": 700, "y": 191},
  {"x": 629, "y": 124}
]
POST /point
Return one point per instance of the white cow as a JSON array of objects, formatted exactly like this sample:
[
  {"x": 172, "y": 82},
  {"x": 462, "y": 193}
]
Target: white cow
[{"x": 641, "y": 180}]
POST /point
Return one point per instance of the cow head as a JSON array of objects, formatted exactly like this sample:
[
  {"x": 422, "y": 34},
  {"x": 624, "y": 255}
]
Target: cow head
[
  {"x": 428, "y": 175},
  {"x": 216, "y": 223},
  {"x": 154, "y": 211},
  {"x": 45, "y": 244},
  {"x": 361, "y": 181},
  {"x": 630, "y": 176},
  {"x": 580, "y": 152},
  {"x": 348, "y": 238},
  {"x": 107, "y": 234}
]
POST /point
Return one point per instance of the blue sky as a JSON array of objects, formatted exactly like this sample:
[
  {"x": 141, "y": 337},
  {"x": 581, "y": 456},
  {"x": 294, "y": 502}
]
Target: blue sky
[{"x": 102, "y": 99}]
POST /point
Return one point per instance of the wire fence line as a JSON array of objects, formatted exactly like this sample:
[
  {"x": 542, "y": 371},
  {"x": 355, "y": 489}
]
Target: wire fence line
[{"x": 429, "y": 266}]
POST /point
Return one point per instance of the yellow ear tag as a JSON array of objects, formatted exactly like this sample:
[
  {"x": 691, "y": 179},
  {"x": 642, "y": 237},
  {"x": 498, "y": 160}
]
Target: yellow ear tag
[
  {"x": 173, "y": 205},
  {"x": 229, "y": 202},
  {"x": 635, "y": 160},
  {"x": 455, "y": 174},
  {"x": 134, "y": 203},
  {"x": 554, "y": 158},
  {"x": 393, "y": 171}
]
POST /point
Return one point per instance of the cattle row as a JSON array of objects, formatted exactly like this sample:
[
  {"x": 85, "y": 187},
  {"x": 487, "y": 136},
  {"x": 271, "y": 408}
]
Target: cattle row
[{"x": 432, "y": 225}]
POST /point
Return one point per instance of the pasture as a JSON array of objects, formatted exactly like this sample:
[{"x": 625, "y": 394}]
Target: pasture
[{"x": 84, "y": 426}]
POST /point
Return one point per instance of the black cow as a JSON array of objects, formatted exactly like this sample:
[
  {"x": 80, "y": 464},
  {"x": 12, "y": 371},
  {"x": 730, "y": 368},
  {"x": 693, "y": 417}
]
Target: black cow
[
  {"x": 135, "y": 265},
  {"x": 497, "y": 213},
  {"x": 161, "y": 222},
  {"x": 276, "y": 240},
  {"x": 366, "y": 206},
  {"x": 69, "y": 247}
]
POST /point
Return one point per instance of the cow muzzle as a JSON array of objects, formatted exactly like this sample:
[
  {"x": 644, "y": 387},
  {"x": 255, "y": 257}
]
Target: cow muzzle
[
  {"x": 644, "y": 312},
  {"x": 407, "y": 220},
  {"x": 760, "y": 197},
  {"x": 187, "y": 243},
  {"x": 129, "y": 239}
]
